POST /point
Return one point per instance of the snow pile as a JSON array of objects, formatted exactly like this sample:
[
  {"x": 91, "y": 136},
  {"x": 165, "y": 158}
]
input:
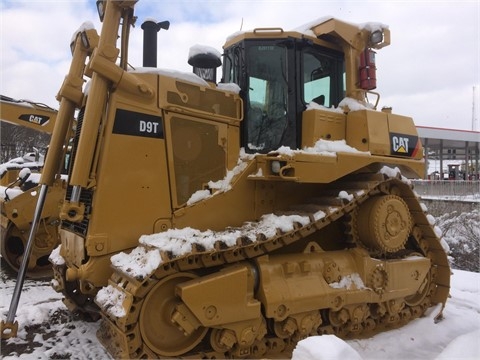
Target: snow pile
[
  {"x": 226, "y": 183},
  {"x": 322, "y": 147},
  {"x": 198, "y": 49},
  {"x": 307, "y": 28},
  {"x": 314, "y": 106},
  {"x": 87, "y": 25},
  {"x": 319, "y": 215},
  {"x": 11, "y": 192},
  {"x": 351, "y": 104},
  {"x": 198, "y": 195},
  {"x": 140, "y": 262},
  {"x": 325, "y": 347},
  {"x": 349, "y": 282},
  {"x": 373, "y": 26},
  {"x": 19, "y": 163},
  {"x": 25, "y": 164},
  {"x": 325, "y": 147},
  {"x": 393, "y": 173},
  {"x": 346, "y": 105},
  {"x": 175, "y": 74},
  {"x": 185, "y": 76},
  {"x": 344, "y": 195},
  {"x": 461, "y": 347},
  {"x": 55, "y": 257},
  {"x": 111, "y": 300},
  {"x": 221, "y": 185},
  {"x": 24, "y": 173},
  {"x": 431, "y": 219},
  {"x": 230, "y": 87}
]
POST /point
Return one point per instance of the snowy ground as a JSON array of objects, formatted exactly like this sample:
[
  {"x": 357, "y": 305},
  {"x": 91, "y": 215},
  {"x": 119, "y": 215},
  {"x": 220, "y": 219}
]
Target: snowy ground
[{"x": 48, "y": 331}]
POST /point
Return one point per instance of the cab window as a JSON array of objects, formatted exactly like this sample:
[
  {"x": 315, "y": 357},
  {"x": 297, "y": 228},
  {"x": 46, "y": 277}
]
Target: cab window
[{"x": 322, "y": 77}]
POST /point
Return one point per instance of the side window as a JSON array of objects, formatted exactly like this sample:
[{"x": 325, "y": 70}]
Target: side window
[
  {"x": 323, "y": 78},
  {"x": 198, "y": 156},
  {"x": 231, "y": 66},
  {"x": 316, "y": 79}
]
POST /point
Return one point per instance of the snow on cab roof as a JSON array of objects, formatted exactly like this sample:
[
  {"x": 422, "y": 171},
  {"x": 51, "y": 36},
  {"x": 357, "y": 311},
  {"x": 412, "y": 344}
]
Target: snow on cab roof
[{"x": 306, "y": 29}]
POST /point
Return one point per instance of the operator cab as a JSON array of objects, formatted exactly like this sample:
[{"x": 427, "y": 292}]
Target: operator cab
[{"x": 279, "y": 75}]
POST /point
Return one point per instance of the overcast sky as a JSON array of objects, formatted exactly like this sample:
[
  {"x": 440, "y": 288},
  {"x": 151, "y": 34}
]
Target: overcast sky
[{"x": 428, "y": 72}]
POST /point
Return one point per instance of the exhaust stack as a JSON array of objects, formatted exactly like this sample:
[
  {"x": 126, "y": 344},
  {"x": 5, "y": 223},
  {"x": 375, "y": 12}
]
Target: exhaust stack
[{"x": 150, "y": 30}]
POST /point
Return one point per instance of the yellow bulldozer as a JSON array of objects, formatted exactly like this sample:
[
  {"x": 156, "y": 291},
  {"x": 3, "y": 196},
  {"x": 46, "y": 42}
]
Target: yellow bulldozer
[
  {"x": 232, "y": 219},
  {"x": 20, "y": 192}
]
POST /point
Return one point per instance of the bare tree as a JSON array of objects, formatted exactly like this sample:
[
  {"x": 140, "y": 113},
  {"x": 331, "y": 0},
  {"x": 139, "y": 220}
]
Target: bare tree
[
  {"x": 461, "y": 231},
  {"x": 16, "y": 141}
]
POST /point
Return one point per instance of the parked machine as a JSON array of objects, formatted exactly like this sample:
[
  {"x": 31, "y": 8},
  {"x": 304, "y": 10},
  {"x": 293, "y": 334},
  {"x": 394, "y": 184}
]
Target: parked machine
[
  {"x": 232, "y": 220},
  {"x": 29, "y": 115},
  {"x": 16, "y": 211}
]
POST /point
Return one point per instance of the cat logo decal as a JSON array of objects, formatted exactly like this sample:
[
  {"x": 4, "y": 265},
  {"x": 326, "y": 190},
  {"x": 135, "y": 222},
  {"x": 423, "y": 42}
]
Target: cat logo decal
[{"x": 404, "y": 145}]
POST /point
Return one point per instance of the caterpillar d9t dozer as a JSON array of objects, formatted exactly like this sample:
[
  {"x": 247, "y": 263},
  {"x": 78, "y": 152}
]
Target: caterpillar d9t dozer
[{"x": 232, "y": 220}]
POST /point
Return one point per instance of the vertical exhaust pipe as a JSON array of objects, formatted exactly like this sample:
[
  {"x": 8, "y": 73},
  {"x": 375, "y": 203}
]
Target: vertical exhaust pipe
[{"x": 150, "y": 30}]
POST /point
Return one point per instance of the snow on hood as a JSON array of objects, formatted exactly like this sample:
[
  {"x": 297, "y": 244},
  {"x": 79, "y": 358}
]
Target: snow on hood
[
  {"x": 185, "y": 76},
  {"x": 231, "y": 87},
  {"x": 179, "y": 75}
]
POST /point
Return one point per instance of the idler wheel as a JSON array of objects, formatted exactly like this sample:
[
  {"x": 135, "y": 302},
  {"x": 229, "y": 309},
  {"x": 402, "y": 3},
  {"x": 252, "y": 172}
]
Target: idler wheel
[
  {"x": 13, "y": 243},
  {"x": 157, "y": 330},
  {"x": 384, "y": 223}
]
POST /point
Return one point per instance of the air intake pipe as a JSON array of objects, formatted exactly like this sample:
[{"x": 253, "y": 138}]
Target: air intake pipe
[{"x": 150, "y": 29}]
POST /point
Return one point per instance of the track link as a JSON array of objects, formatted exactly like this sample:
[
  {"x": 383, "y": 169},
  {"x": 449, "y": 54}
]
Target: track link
[{"x": 121, "y": 333}]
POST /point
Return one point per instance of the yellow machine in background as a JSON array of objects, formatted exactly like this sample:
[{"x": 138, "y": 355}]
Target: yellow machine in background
[
  {"x": 269, "y": 207},
  {"x": 28, "y": 115},
  {"x": 16, "y": 212}
]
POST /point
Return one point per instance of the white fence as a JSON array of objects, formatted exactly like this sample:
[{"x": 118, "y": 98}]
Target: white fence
[{"x": 457, "y": 190}]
